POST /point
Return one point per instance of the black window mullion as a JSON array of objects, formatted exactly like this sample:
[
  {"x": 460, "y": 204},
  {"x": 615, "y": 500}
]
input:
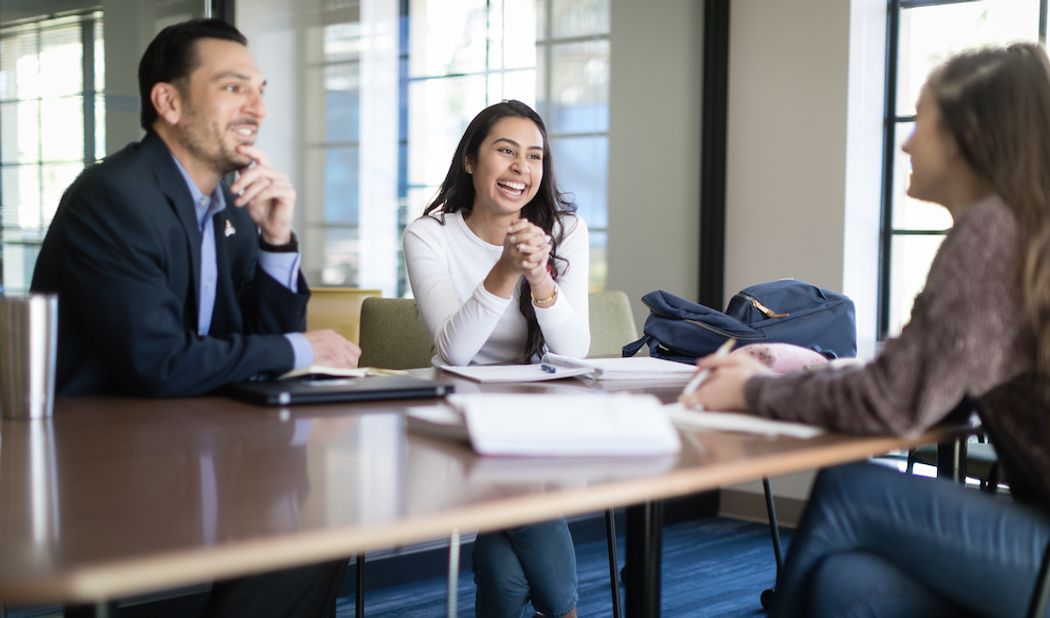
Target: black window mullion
[
  {"x": 918, "y": 4},
  {"x": 889, "y": 142},
  {"x": 1042, "y": 20},
  {"x": 87, "y": 43}
]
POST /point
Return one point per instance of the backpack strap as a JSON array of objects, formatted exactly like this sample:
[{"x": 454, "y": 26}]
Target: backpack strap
[{"x": 632, "y": 348}]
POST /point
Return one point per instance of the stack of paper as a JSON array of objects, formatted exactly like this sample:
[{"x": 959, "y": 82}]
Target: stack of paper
[
  {"x": 513, "y": 373},
  {"x": 555, "y": 425},
  {"x": 631, "y": 368}
]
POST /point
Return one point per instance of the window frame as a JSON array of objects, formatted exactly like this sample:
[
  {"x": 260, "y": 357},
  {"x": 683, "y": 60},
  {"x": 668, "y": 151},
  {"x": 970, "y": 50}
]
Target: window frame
[
  {"x": 87, "y": 19},
  {"x": 891, "y": 120}
]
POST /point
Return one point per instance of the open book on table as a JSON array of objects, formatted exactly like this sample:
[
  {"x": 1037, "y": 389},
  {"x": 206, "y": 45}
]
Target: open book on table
[{"x": 552, "y": 425}]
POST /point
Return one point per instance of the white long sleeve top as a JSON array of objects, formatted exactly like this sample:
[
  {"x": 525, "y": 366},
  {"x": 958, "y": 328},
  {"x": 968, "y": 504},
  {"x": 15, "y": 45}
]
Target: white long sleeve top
[{"x": 447, "y": 266}]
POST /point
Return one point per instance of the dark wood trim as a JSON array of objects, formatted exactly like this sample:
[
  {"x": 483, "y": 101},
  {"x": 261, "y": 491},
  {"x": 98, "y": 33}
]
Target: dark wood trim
[
  {"x": 889, "y": 145},
  {"x": 713, "y": 154},
  {"x": 224, "y": 10}
]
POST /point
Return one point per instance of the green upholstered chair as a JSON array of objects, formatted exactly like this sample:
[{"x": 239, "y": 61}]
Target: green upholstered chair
[
  {"x": 612, "y": 323},
  {"x": 393, "y": 335}
]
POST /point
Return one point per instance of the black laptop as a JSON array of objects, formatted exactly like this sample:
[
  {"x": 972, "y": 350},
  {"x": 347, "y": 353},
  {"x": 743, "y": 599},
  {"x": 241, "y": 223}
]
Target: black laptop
[{"x": 337, "y": 390}]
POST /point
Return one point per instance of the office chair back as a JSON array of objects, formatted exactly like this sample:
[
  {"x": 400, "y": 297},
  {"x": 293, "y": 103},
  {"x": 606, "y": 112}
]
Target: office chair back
[
  {"x": 612, "y": 323},
  {"x": 393, "y": 335},
  {"x": 338, "y": 309}
]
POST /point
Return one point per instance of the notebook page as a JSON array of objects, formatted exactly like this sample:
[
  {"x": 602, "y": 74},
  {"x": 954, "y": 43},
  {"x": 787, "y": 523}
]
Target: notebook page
[{"x": 571, "y": 424}]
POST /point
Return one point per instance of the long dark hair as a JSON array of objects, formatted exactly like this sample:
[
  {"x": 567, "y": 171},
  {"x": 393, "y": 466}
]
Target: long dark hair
[
  {"x": 995, "y": 103},
  {"x": 546, "y": 208}
]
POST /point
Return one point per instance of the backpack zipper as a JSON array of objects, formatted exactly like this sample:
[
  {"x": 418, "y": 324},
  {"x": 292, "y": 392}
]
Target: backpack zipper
[
  {"x": 719, "y": 331},
  {"x": 766, "y": 311}
]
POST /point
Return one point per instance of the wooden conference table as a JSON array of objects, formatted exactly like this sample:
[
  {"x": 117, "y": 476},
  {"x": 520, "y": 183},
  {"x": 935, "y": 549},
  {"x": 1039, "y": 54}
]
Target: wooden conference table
[{"x": 115, "y": 497}]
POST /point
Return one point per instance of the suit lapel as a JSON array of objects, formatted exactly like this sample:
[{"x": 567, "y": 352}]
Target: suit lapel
[{"x": 174, "y": 188}]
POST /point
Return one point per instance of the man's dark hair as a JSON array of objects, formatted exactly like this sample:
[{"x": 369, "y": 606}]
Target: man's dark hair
[{"x": 172, "y": 56}]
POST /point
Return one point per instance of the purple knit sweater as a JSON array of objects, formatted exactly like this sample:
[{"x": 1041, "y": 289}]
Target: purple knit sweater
[{"x": 966, "y": 335}]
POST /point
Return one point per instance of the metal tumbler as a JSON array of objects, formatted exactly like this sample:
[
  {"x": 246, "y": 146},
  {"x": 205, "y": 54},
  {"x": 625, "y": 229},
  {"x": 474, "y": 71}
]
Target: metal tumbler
[{"x": 28, "y": 349}]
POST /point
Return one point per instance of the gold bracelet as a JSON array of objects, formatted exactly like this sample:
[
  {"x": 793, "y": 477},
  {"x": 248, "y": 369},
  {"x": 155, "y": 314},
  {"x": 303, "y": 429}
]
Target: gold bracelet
[{"x": 546, "y": 302}]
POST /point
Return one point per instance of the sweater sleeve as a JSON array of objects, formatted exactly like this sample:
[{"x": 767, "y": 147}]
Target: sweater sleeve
[
  {"x": 961, "y": 338},
  {"x": 459, "y": 329},
  {"x": 566, "y": 323}
]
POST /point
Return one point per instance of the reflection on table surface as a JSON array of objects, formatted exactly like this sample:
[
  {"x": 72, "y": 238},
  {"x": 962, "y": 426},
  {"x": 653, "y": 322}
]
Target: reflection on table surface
[{"x": 171, "y": 492}]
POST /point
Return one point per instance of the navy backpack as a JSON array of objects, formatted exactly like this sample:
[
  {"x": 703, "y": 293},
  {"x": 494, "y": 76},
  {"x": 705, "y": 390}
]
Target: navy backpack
[{"x": 782, "y": 311}]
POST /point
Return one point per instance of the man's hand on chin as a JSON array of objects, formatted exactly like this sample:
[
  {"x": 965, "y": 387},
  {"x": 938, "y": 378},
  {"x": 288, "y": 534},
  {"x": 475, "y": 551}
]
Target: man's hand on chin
[{"x": 268, "y": 196}]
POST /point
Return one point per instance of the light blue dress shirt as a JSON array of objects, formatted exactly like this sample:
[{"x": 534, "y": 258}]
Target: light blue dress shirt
[{"x": 284, "y": 267}]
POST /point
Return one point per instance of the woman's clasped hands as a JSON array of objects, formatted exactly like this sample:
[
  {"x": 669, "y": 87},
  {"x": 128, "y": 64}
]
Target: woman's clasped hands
[{"x": 526, "y": 249}]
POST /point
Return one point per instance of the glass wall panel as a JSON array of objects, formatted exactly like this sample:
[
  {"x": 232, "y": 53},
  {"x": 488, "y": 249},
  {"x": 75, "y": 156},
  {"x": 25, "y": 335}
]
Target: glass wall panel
[
  {"x": 575, "y": 18},
  {"x": 912, "y": 256},
  {"x": 386, "y": 91},
  {"x": 579, "y": 97},
  {"x": 439, "y": 112},
  {"x": 928, "y": 35},
  {"x": 582, "y": 168},
  {"x": 447, "y": 37},
  {"x": 58, "y": 105}
]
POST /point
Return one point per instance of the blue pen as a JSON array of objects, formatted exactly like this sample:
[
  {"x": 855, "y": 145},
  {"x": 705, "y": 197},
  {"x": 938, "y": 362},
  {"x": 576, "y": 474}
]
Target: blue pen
[{"x": 548, "y": 368}]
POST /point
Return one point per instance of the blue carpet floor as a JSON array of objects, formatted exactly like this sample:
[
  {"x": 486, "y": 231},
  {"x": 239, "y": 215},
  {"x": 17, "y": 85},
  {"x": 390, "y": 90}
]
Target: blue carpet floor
[{"x": 711, "y": 567}]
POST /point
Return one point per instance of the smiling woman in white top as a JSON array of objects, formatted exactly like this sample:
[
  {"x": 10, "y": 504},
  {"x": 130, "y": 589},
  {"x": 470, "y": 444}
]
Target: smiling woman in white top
[{"x": 498, "y": 266}]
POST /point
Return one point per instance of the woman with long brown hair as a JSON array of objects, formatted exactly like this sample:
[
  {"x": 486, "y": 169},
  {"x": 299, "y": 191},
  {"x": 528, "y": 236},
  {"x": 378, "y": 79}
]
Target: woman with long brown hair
[
  {"x": 873, "y": 540},
  {"x": 498, "y": 267}
]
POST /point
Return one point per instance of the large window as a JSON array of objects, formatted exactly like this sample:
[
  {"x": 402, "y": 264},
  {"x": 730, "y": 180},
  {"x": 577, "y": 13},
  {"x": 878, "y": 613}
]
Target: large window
[
  {"x": 922, "y": 34},
  {"x": 51, "y": 125},
  {"x": 68, "y": 96},
  {"x": 388, "y": 90}
]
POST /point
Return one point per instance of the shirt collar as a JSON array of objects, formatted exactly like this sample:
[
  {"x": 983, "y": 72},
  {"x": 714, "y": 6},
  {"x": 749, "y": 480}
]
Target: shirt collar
[{"x": 205, "y": 206}]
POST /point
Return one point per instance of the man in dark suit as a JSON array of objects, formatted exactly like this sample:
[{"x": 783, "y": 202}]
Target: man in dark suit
[{"x": 171, "y": 283}]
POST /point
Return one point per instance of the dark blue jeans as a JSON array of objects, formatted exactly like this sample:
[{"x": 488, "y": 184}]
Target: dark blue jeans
[
  {"x": 532, "y": 563},
  {"x": 875, "y": 542}
]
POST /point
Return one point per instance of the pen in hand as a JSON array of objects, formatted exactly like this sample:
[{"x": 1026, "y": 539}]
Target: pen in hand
[{"x": 701, "y": 375}]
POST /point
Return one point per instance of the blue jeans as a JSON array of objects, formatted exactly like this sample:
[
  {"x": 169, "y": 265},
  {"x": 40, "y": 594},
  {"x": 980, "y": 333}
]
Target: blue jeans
[
  {"x": 875, "y": 542},
  {"x": 535, "y": 562}
]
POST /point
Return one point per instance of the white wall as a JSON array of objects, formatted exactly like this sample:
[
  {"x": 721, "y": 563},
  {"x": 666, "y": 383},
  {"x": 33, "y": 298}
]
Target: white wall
[
  {"x": 785, "y": 186},
  {"x": 804, "y": 147},
  {"x": 656, "y": 52}
]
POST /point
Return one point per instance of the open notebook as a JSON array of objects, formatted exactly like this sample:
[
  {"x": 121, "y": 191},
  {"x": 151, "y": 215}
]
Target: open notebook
[
  {"x": 595, "y": 424},
  {"x": 631, "y": 368},
  {"x": 556, "y": 367}
]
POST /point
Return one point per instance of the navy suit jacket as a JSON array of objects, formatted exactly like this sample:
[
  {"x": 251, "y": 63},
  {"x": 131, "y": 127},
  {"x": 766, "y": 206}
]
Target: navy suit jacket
[{"x": 123, "y": 255}]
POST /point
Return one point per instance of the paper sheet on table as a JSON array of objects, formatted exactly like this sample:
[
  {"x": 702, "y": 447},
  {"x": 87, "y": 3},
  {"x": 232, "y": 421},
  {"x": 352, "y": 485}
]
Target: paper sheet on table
[
  {"x": 513, "y": 373},
  {"x": 732, "y": 421},
  {"x": 630, "y": 368}
]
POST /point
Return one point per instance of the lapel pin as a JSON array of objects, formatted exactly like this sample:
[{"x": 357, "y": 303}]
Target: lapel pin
[{"x": 230, "y": 230}]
